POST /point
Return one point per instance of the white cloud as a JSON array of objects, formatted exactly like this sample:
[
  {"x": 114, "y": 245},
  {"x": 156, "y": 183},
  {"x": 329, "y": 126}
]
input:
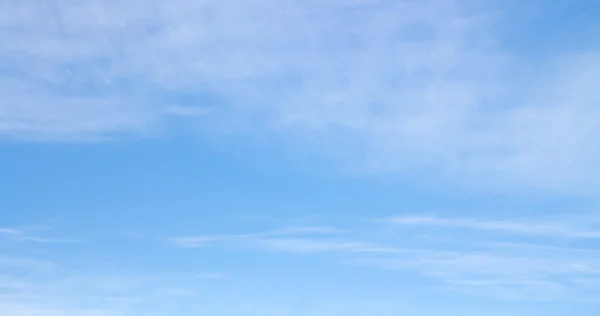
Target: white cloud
[
  {"x": 471, "y": 256},
  {"x": 31, "y": 234},
  {"x": 386, "y": 86},
  {"x": 195, "y": 242},
  {"x": 211, "y": 276},
  {"x": 41, "y": 287},
  {"x": 30, "y": 286},
  {"x": 533, "y": 227},
  {"x": 9, "y": 231},
  {"x": 311, "y": 245},
  {"x": 292, "y": 239},
  {"x": 515, "y": 272},
  {"x": 40, "y": 278}
]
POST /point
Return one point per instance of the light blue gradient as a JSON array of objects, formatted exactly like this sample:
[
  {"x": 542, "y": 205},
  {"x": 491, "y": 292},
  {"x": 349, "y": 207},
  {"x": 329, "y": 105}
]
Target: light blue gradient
[{"x": 299, "y": 158}]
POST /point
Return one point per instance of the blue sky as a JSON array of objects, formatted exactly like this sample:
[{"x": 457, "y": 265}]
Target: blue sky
[{"x": 299, "y": 158}]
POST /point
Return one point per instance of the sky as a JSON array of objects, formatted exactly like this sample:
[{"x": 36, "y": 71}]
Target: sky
[{"x": 299, "y": 157}]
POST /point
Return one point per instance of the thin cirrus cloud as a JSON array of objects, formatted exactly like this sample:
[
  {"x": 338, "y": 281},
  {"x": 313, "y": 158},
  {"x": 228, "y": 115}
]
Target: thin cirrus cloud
[
  {"x": 32, "y": 235},
  {"x": 384, "y": 86},
  {"x": 33, "y": 282},
  {"x": 538, "y": 227},
  {"x": 478, "y": 260},
  {"x": 10, "y": 231},
  {"x": 37, "y": 279},
  {"x": 288, "y": 239},
  {"x": 211, "y": 276},
  {"x": 35, "y": 286}
]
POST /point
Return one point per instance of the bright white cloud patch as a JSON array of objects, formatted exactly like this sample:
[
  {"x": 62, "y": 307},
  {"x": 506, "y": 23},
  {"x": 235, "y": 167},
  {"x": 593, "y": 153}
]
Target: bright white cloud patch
[{"x": 382, "y": 85}]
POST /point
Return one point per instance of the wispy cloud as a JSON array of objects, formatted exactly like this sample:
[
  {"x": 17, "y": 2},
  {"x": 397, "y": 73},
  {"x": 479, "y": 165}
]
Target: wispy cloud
[
  {"x": 199, "y": 241},
  {"x": 534, "y": 227},
  {"x": 37, "y": 278},
  {"x": 10, "y": 231},
  {"x": 295, "y": 239},
  {"x": 29, "y": 234},
  {"x": 383, "y": 86},
  {"x": 512, "y": 258},
  {"x": 466, "y": 257},
  {"x": 519, "y": 271},
  {"x": 211, "y": 276},
  {"x": 51, "y": 285},
  {"x": 42, "y": 287}
]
